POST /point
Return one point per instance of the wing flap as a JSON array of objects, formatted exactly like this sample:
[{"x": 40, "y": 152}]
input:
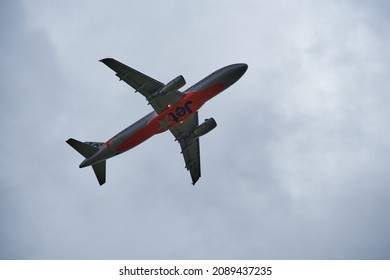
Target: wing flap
[
  {"x": 189, "y": 146},
  {"x": 143, "y": 84}
]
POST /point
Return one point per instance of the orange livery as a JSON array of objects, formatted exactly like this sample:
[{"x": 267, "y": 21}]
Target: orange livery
[{"x": 173, "y": 110}]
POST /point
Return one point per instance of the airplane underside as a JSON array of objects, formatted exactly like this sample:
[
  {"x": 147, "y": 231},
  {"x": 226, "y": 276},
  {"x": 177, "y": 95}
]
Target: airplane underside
[{"x": 173, "y": 110}]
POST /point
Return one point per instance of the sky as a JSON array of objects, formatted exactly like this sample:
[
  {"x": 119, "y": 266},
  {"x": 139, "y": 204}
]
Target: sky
[{"x": 297, "y": 168}]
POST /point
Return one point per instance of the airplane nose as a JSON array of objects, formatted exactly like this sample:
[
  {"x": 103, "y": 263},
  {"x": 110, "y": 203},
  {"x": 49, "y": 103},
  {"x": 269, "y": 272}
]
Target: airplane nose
[
  {"x": 230, "y": 74},
  {"x": 241, "y": 68},
  {"x": 238, "y": 70}
]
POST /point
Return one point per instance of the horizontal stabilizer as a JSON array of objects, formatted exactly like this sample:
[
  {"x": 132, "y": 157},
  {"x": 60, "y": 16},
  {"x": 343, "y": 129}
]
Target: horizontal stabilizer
[
  {"x": 100, "y": 171},
  {"x": 84, "y": 149}
]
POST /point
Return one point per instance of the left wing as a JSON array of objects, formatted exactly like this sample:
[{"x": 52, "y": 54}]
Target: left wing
[
  {"x": 189, "y": 146},
  {"x": 144, "y": 84}
]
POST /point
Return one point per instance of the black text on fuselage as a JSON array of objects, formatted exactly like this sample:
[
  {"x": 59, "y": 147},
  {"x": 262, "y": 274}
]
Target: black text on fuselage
[{"x": 181, "y": 111}]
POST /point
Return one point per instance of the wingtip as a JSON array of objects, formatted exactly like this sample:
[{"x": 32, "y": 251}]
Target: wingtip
[
  {"x": 105, "y": 59},
  {"x": 70, "y": 141}
]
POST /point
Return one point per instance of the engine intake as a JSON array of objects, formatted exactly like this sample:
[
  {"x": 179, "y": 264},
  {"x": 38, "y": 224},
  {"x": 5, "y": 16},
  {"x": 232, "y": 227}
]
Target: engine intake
[
  {"x": 173, "y": 85},
  {"x": 206, "y": 127}
]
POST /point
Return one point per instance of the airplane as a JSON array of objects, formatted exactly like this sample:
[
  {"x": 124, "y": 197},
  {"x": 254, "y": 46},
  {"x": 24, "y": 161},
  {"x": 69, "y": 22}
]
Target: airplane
[{"x": 173, "y": 110}]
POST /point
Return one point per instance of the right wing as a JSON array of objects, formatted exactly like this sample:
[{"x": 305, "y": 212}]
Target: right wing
[
  {"x": 144, "y": 84},
  {"x": 189, "y": 146}
]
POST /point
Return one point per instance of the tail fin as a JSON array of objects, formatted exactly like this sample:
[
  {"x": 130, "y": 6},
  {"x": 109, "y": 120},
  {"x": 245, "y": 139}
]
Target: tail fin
[
  {"x": 87, "y": 150},
  {"x": 100, "y": 171}
]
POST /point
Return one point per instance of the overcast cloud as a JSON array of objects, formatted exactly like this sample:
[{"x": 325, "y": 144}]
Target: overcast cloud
[{"x": 298, "y": 167}]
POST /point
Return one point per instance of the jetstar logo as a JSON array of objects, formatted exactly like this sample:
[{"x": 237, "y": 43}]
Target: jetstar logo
[{"x": 181, "y": 111}]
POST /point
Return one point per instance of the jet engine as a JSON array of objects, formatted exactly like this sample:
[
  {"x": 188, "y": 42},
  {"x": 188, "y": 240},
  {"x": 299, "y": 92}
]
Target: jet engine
[
  {"x": 173, "y": 85},
  {"x": 206, "y": 127}
]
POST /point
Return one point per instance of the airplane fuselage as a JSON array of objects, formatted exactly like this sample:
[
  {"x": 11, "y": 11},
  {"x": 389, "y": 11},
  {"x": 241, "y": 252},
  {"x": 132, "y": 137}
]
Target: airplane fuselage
[{"x": 154, "y": 123}]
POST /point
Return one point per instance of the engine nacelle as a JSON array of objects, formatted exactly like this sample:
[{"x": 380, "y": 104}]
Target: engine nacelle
[
  {"x": 206, "y": 127},
  {"x": 173, "y": 85}
]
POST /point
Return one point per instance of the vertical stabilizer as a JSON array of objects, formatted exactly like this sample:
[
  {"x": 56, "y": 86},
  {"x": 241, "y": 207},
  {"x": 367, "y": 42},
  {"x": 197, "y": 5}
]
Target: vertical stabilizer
[
  {"x": 100, "y": 171},
  {"x": 87, "y": 150}
]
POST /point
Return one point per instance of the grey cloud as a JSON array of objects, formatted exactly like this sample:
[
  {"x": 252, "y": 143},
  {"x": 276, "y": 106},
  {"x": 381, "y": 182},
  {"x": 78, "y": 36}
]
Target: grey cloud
[{"x": 296, "y": 169}]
